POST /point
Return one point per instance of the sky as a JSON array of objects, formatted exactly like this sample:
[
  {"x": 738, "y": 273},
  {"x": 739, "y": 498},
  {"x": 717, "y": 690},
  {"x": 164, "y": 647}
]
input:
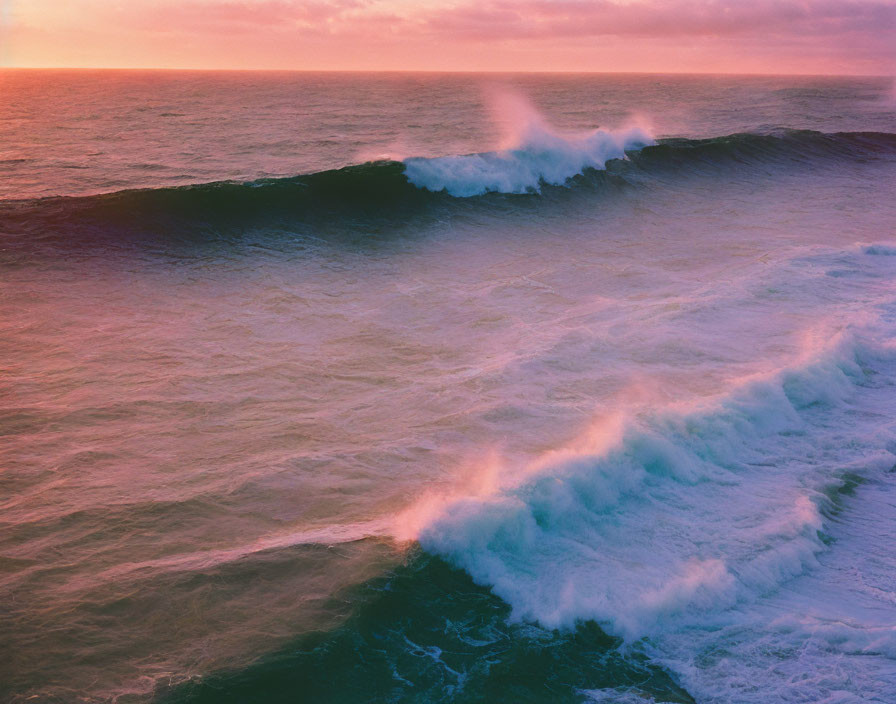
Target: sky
[{"x": 693, "y": 36}]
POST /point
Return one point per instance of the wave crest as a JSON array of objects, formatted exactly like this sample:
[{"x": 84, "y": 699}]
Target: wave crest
[
  {"x": 678, "y": 516},
  {"x": 535, "y": 154}
]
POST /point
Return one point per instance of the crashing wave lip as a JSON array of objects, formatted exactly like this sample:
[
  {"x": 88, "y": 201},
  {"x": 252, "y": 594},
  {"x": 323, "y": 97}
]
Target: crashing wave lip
[
  {"x": 544, "y": 158},
  {"x": 628, "y": 535}
]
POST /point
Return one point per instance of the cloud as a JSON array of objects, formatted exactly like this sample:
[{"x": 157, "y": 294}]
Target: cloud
[
  {"x": 232, "y": 16},
  {"x": 545, "y": 19},
  {"x": 815, "y": 36},
  {"x": 478, "y": 20},
  {"x": 864, "y": 26}
]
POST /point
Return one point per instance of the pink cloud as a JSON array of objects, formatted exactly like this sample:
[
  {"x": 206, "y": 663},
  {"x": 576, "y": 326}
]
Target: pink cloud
[
  {"x": 862, "y": 24},
  {"x": 205, "y": 18},
  {"x": 823, "y": 36},
  {"x": 539, "y": 19}
]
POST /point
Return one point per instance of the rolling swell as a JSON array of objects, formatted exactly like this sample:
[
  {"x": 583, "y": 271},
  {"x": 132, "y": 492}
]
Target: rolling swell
[
  {"x": 784, "y": 149},
  {"x": 381, "y": 194},
  {"x": 371, "y": 191}
]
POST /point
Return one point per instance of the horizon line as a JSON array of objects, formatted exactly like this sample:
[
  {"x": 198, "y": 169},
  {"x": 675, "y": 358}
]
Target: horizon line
[{"x": 441, "y": 71}]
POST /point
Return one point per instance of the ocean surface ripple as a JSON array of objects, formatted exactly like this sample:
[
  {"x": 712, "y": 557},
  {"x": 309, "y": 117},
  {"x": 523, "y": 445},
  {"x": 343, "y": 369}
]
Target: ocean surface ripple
[{"x": 398, "y": 388}]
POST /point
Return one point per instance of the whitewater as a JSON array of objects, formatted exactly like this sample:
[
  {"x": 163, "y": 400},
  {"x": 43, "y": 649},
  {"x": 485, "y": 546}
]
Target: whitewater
[
  {"x": 569, "y": 388},
  {"x": 684, "y": 529},
  {"x": 534, "y": 155}
]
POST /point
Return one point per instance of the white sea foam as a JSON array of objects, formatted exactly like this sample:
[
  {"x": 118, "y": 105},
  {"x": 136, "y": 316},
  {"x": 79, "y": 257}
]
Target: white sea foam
[
  {"x": 533, "y": 154},
  {"x": 682, "y": 515},
  {"x": 708, "y": 529}
]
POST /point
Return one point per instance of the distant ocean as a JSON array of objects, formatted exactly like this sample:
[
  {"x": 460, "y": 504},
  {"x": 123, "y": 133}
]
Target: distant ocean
[{"x": 447, "y": 388}]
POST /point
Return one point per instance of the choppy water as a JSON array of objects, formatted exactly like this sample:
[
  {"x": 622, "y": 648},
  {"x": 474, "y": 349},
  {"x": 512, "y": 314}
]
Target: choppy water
[{"x": 586, "y": 400}]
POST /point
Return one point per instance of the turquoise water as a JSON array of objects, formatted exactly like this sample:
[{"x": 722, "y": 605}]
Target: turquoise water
[{"x": 442, "y": 388}]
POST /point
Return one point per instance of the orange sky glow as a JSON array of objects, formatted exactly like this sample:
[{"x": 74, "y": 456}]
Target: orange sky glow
[{"x": 700, "y": 36}]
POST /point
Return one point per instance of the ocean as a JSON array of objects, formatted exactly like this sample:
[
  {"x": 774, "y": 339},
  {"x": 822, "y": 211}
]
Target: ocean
[{"x": 447, "y": 388}]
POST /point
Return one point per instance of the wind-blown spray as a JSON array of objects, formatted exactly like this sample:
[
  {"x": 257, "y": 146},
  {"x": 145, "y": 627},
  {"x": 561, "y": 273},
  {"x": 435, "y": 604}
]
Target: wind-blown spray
[{"x": 531, "y": 153}]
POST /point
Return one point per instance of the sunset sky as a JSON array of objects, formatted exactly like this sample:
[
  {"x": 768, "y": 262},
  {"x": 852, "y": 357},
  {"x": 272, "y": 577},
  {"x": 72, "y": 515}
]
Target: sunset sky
[{"x": 724, "y": 36}]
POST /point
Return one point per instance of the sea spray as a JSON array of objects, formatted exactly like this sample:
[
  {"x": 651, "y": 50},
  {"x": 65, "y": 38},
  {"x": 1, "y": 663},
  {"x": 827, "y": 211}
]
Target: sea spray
[{"x": 532, "y": 153}]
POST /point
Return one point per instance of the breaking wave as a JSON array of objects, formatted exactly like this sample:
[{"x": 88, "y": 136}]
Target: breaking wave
[
  {"x": 661, "y": 518},
  {"x": 537, "y": 155},
  {"x": 395, "y": 191}
]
